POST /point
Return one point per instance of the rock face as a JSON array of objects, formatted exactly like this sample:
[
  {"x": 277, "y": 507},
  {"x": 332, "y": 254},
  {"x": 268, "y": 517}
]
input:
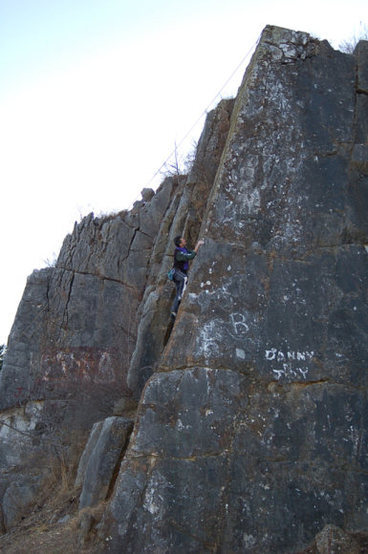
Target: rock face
[
  {"x": 251, "y": 428},
  {"x": 252, "y": 433}
]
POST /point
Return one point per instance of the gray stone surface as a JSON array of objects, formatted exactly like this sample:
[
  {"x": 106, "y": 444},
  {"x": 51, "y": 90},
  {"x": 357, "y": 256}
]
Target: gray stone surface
[
  {"x": 184, "y": 218},
  {"x": 101, "y": 459},
  {"x": 332, "y": 540},
  {"x": 23, "y": 344},
  {"x": 87, "y": 452},
  {"x": 251, "y": 435},
  {"x": 147, "y": 194},
  {"x": 361, "y": 53},
  {"x": 20, "y": 497}
]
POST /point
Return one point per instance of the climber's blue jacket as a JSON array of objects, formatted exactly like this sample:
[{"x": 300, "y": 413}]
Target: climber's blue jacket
[{"x": 181, "y": 258}]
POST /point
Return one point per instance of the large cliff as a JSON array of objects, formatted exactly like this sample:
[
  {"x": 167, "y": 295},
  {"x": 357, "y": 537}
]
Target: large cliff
[{"x": 244, "y": 427}]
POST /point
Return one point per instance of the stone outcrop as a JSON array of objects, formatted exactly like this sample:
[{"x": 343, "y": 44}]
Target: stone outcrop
[
  {"x": 251, "y": 428},
  {"x": 101, "y": 459},
  {"x": 251, "y": 434}
]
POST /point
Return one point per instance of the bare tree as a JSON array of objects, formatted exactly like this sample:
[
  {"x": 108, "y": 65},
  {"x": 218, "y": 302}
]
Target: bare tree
[
  {"x": 172, "y": 166},
  {"x": 348, "y": 46}
]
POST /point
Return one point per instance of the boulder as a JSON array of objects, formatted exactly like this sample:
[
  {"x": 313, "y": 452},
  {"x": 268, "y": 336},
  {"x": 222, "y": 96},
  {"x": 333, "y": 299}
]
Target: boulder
[
  {"x": 19, "y": 499},
  {"x": 147, "y": 194},
  {"x": 101, "y": 458}
]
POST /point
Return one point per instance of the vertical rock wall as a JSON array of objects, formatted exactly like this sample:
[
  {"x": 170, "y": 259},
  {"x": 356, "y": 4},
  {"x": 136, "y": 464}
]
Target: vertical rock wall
[
  {"x": 186, "y": 216},
  {"x": 252, "y": 433}
]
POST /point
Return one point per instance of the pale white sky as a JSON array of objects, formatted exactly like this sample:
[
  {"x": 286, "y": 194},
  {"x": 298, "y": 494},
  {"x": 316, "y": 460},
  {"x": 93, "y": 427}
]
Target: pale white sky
[{"x": 95, "y": 93}]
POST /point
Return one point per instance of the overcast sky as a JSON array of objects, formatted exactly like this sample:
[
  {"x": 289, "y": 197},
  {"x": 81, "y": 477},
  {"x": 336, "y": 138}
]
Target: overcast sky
[{"x": 94, "y": 94}]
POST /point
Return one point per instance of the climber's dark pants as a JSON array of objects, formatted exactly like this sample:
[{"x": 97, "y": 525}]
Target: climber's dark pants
[{"x": 180, "y": 280}]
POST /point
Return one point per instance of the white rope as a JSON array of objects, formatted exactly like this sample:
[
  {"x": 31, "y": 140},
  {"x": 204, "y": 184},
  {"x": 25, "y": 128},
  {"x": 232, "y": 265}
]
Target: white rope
[{"x": 205, "y": 111}]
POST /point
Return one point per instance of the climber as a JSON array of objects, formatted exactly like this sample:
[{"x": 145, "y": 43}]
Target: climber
[{"x": 181, "y": 265}]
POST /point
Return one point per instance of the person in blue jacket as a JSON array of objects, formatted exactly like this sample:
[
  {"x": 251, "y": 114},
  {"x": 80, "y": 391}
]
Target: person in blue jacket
[{"x": 181, "y": 265}]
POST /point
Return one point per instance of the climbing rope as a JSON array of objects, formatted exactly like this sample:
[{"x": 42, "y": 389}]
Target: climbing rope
[{"x": 204, "y": 112}]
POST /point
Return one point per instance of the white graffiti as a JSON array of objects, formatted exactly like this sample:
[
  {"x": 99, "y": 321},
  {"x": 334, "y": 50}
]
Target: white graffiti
[
  {"x": 290, "y": 362},
  {"x": 279, "y": 356},
  {"x": 210, "y": 338},
  {"x": 239, "y": 325},
  {"x": 288, "y": 371}
]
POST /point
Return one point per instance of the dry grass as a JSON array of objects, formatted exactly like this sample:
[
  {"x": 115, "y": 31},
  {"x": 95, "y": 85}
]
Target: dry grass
[
  {"x": 51, "y": 527},
  {"x": 55, "y": 526}
]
